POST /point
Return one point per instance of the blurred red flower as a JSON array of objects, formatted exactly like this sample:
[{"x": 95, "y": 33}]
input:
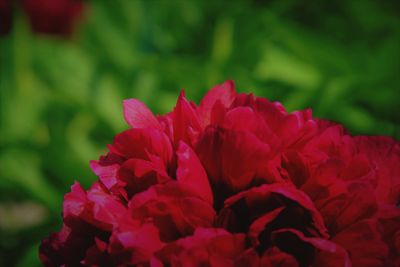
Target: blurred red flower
[
  {"x": 234, "y": 181},
  {"x": 5, "y": 16},
  {"x": 53, "y": 17},
  {"x": 56, "y": 17}
]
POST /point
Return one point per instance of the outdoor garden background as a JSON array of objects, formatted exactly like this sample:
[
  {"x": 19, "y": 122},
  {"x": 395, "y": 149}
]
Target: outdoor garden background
[{"x": 61, "y": 95}]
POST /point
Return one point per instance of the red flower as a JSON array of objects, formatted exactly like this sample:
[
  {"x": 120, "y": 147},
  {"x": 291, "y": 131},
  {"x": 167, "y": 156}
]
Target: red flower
[
  {"x": 6, "y": 9},
  {"x": 54, "y": 17},
  {"x": 234, "y": 181}
]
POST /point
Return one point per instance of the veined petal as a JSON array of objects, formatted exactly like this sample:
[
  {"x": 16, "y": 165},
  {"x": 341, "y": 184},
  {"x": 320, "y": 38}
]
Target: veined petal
[{"x": 137, "y": 115}]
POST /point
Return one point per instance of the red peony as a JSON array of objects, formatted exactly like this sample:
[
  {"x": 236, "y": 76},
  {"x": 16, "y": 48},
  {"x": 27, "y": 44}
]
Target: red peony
[
  {"x": 6, "y": 9},
  {"x": 54, "y": 17},
  {"x": 234, "y": 181},
  {"x": 57, "y": 17}
]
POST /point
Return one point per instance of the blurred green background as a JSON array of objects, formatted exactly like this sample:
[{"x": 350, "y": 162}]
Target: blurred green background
[{"x": 60, "y": 98}]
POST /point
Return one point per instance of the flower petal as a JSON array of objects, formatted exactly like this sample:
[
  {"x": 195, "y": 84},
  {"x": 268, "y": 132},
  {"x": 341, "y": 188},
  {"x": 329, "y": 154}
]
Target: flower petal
[
  {"x": 257, "y": 199},
  {"x": 191, "y": 173},
  {"x": 107, "y": 174},
  {"x": 294, "y": 242},
  {"x": 170, "y": 206},
  {"x": 139, "y": 143},
  {"x": 363, "y": 242},
  {"x": 224, "y": 94},
  {"x": 186, "y": 122},
  {"x": 231, "y": 158},
  {"x": 137, "y": 115}
]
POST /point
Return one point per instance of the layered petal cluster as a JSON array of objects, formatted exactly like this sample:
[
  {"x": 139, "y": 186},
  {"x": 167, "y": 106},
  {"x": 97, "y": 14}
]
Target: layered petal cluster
[{"x": 234, "y": 181}]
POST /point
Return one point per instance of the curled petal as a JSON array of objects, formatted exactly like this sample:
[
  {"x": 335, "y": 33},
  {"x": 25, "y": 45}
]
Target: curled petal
[
  {"x": 95, "y": 207},
  {"x": 107, "y": 174},
  {"x": 328, "y": 253},
  {"x": 258, "y": 197},
  {"x": 259, "y": 224}
]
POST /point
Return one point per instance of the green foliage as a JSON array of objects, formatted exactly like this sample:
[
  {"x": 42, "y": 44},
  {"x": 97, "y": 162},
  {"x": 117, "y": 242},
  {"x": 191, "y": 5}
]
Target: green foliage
[{"x": 60, "y": 100}]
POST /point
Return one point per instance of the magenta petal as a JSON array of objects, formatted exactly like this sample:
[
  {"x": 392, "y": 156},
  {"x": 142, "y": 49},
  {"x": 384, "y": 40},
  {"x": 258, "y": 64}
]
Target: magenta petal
[
  {"x": 224, "y": 94},
  {"x": 186, "y": 122},
  {"x": 191, "y": 173},
  {"x": 259, "y": 225},
  {"x": 139, "y": 143},
  {"x": 106, "y": 209},
  {"x": 74, "y": 202},
  {"x": 107, "y": 174},
  {"x": 137, "y": 115},
  {"x": 232, "y": 158},
  {"x": 384, "y": 152},
  {"x": 171, "y": 207}
]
